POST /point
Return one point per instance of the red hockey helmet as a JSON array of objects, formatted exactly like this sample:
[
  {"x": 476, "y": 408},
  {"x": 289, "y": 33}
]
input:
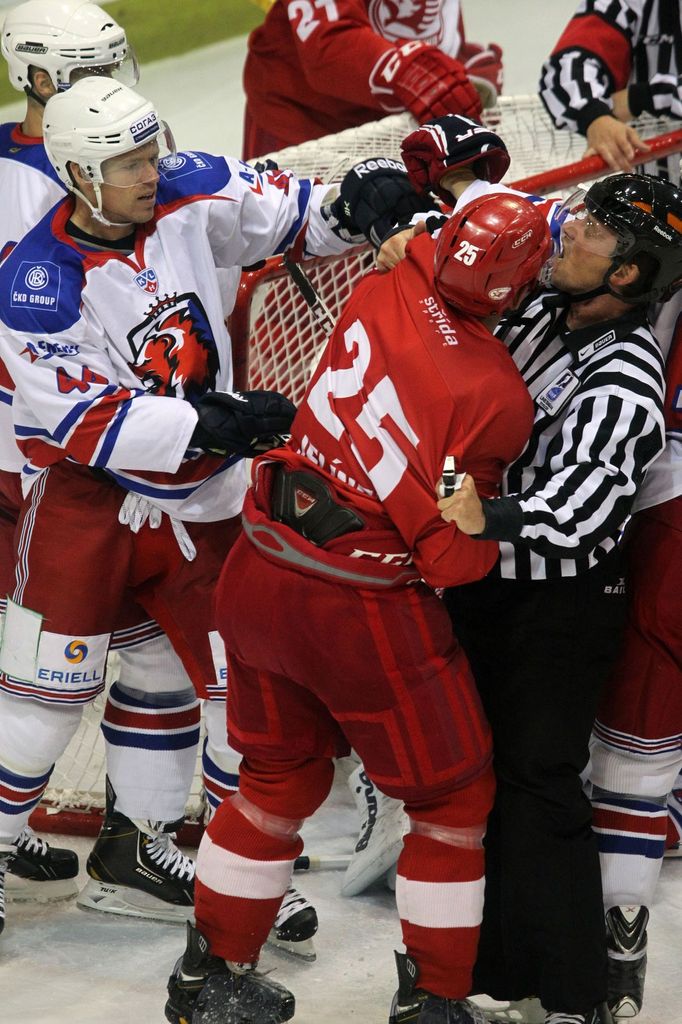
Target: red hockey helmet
[{"x": 489, "y": 252}]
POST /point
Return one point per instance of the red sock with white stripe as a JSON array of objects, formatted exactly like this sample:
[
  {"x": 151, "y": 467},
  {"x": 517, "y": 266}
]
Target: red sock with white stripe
[
  {"x": 439, "y": 894},
  {"x": 242, "y": 875}
]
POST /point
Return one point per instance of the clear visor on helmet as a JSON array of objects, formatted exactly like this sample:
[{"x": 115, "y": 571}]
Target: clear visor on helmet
[
  {"x": 584, "y": 229},
  {"x": 139, "y": 166},
  {"x": 126, "y": 71}
]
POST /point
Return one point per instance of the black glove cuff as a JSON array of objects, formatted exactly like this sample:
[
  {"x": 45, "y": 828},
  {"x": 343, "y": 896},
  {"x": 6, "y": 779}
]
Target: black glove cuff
[
  {"x": 641, "y": 99},
  {"x": 590, "y": 112},
  {"x": 503, "y": 519}
]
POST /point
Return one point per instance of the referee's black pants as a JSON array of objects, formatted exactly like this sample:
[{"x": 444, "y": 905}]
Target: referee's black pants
[{"x": 540, "y": 653}]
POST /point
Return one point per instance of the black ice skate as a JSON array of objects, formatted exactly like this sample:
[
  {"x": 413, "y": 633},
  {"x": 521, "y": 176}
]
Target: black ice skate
[
  {"x": 203, "y": 989},
  {"x": 38, "y": 872},
  {"x": 626, "y": 940},
  {"x": 294, "y": 926},
  {"x": 138, "y": 871},
  {"x": 412, "y": 1005}
]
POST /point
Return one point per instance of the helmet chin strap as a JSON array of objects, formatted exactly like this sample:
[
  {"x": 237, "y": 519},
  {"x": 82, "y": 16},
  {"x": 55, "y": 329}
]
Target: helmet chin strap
[{"x": 96, "y": 211}]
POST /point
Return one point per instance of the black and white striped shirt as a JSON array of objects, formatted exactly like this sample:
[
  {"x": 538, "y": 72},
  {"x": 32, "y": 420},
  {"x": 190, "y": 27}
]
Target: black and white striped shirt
[
  {"x": 607, "y": 46},
  {"x": 598, "y": 394}
]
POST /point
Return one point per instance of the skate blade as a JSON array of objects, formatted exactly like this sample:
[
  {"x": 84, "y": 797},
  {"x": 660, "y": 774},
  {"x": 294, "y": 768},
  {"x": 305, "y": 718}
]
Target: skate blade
[
  {"x": 127, "y": 902},
  {"x": 29, "y": 890},
  {"x": 302, "y": 950},
  {"x": 521, "y": 1011}
]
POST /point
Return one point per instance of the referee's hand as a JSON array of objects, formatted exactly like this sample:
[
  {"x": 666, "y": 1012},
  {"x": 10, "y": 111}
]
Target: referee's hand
[{"x": 463, "y": 508}]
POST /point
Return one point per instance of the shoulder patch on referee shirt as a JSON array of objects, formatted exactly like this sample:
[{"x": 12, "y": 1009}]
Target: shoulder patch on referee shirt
[{"x": 556, "y": 394}]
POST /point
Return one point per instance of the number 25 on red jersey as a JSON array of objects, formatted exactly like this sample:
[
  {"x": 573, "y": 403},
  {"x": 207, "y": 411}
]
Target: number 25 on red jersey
[{"x": 381, "y": 405}]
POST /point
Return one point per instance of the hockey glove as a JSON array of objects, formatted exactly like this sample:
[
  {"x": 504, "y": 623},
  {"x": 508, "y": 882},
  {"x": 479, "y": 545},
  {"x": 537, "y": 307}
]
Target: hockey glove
[
  {"x": 242, "y": 422},
  {"x": 428, "y": 83},
  {"x": 448, "y": 142},
  {"x": 375, "y": 197},
  {"x": 483, "y": 65}
]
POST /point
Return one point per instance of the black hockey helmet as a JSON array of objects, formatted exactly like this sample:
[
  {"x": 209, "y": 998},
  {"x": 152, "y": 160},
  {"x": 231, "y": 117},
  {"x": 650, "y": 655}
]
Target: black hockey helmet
[{"x": 645, "y": 213}]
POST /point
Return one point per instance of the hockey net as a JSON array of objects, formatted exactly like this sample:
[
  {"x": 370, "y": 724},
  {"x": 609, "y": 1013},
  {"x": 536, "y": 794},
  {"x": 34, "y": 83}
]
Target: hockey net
[{"x": 276, "y": 340}]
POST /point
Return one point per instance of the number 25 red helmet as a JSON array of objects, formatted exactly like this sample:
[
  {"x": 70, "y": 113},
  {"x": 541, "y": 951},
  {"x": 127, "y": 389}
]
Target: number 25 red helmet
[{"x": 489, "y": 252}]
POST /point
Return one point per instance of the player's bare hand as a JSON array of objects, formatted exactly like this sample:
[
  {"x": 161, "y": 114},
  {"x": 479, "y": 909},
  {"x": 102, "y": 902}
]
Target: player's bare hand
[
  {"x": 463, "y": 508},
  {"x": 616, "y": 143},
  {"x": 392, "y": 251}
]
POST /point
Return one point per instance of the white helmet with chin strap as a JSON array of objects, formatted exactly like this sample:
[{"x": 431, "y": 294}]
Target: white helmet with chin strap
[
  {"x": 63, "y": 36},
  {"x": 95, "y": 120}
]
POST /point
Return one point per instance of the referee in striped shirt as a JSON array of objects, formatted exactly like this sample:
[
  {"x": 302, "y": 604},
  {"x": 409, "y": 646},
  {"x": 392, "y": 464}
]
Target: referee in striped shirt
[
  {"x": 542, "y": 630},
  {"x": 615, "y": 60}
]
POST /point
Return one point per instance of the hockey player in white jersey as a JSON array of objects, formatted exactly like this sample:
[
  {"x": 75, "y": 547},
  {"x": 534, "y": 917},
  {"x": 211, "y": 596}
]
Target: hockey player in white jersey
[
  {"x": 48, "y": 44},
  {"x": 151, "y": 719},
  {"x": 116, "y": 293}
]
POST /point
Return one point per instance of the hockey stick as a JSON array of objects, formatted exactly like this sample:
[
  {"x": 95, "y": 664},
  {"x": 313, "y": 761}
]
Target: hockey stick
[
  {"x": 318, "y": 308},
  {"x": 323, "y": 862}
]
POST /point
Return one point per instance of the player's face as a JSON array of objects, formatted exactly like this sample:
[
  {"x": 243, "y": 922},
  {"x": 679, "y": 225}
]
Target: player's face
[
  {"x": 587, "y": 249},
  {"x": 130, "y": 183}
]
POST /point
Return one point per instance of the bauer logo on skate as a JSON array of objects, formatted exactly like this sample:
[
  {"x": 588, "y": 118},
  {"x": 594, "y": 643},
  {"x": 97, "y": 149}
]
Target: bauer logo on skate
[
  {"x": 76, "y": 651},
  {"x": 36, "y": 284},
  {"x": 174, "y": 351}
]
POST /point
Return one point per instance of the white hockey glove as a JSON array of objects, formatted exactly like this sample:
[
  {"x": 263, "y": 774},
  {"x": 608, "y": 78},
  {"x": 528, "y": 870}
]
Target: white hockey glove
[{"x": 136, "y": 511}]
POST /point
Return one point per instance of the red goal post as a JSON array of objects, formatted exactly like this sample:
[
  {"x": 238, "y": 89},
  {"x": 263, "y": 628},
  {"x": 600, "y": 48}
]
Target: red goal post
[{"x": 276, "y": 340}]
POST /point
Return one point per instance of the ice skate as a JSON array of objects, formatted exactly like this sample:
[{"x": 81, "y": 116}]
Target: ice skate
[
  {"x": 294, "y": 926},
  {"x": 412, "y": 1005},
  {"x": 136, "y": 870},
  {"x": 384, "y": 823},
  {"x": 38, "y": 872},
  {"x": 626, "y": 939},
  {"x": 600, "y": 1015},
  {"x": 204, "y": 989},
  {"x": 517, "y": 1011}
]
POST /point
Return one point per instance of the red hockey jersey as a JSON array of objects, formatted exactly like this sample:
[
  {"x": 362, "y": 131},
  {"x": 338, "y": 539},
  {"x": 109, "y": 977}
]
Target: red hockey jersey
[
  {"x": 319, "y": 66},
  {"x": 403, "y": 382}
]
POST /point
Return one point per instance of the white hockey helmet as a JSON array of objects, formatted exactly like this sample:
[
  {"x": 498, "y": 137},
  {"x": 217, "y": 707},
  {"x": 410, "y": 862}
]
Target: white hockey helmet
[
  {"x": 62, "y": 37},
  {"x": 95, "y": 120}
]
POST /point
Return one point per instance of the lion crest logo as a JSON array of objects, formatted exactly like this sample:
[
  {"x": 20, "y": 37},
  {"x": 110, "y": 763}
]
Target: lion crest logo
[{"x": 174, "y": 351}]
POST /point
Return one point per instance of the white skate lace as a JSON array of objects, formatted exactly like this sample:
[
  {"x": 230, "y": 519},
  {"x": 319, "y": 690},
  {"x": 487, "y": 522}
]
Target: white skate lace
[
  {"x": 565, "y": 1018},
  {"x": 28, "y": 842},
  {"x": 163, "y": 851},
  {"x": 291, "y": 904}
]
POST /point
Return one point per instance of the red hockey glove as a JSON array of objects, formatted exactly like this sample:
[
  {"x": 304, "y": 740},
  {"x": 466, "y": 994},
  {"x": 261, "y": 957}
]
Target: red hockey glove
[
  {"x": 448, "y": 142},
  {"x": 428, "y": 83},
  {"x": 483, "y": 65}
]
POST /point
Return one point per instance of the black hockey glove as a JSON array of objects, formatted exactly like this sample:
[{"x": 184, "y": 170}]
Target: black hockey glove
[
  {"x": 375, "y": 197},
  {"x": 452, "y": 141},
  {"x": 242, "y": 422}
]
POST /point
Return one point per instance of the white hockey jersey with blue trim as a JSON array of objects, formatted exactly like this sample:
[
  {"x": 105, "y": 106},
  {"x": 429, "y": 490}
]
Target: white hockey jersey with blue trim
[
  {"x": 29, "y": 187},
  {"x": 108, "y": 352}
]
